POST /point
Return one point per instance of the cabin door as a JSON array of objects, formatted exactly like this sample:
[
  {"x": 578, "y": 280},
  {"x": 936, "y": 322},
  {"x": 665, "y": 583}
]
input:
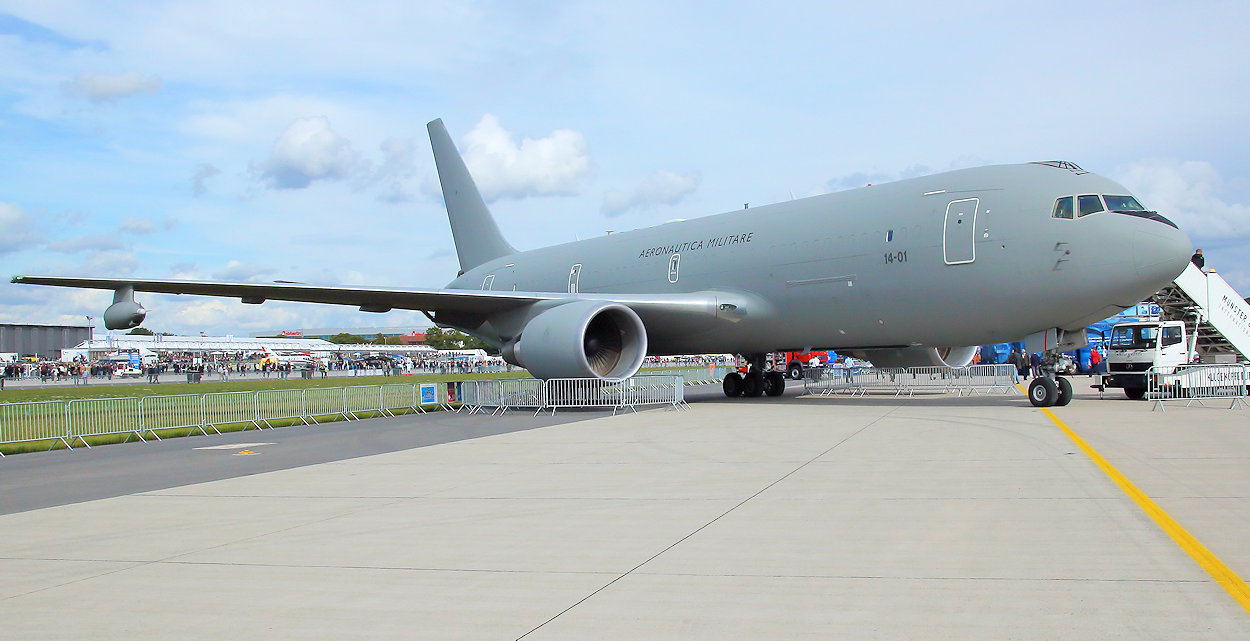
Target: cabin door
[{"x": 960, "y": 231}]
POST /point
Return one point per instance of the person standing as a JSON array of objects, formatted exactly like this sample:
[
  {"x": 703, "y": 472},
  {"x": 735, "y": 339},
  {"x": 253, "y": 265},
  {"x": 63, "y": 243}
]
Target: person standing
[
  {"x": 1198, "y": 260},
  {"x": 1013, "y": 359}
]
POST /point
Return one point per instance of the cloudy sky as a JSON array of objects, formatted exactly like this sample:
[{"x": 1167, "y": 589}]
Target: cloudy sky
[{"x": 260, "y": 141}]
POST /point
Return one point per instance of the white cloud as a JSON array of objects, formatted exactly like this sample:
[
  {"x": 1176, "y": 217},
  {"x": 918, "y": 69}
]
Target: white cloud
[
  {"x": 307, "y": 151},
  {"x": 96, "y": 242},
  {"x": 99, "y": 87},
  {"x": 543, "y": 167},
  {"x": 15, "y": 229},
  {"x": 137, "y": 225},
  {"x": 199, "y": 180},
  {"x": 660, "y": 188},
  {"x": 1190, "y": 194},
  {"x": 398, "y": 168},
  {"x": 237, "y": 271}
]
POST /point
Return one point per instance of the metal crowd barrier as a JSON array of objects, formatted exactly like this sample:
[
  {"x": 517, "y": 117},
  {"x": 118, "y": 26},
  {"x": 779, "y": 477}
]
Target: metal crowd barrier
[
  {"x": 1195, "y": 383},
  {"x": 77, "y": 420},
  {"x": 70, "y": 422},
  {"x": 39, "y": 421},
  {"x": 858, "y": 381},
  {"x": 500, "y": 395}
]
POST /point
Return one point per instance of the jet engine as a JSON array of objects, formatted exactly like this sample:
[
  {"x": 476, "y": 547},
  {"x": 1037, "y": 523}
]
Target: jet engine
[
  {"x": 918, "y": 356},
  {"x": 581, "y": 339},
  {"x": 124, "y": 313}
]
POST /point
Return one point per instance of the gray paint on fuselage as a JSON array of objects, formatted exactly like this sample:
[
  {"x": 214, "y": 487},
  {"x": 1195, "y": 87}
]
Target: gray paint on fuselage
[{"x": 799, "y": 253}]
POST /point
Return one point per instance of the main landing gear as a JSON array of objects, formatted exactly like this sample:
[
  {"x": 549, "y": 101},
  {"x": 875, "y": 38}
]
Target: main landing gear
[{"x": 756, "y": 382}]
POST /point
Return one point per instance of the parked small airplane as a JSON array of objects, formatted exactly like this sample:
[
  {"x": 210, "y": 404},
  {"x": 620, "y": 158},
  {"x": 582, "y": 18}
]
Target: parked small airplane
[{"x": 899, "y": 274}]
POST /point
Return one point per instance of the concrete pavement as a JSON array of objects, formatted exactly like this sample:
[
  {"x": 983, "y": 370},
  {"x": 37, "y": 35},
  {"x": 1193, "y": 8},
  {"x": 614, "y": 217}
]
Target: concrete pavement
[{"x": 933, "y": 517}]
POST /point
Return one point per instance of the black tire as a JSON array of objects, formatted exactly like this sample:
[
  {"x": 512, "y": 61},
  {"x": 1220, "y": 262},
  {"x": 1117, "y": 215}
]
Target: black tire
[
  {"x": 1043, "y": 392},
  {"x": 795, "y": 370},
  {"x": 1064, "y": 386},
  {"x": 753, "y": 385},
  {"x": 774, "y": 384},
  {"x": 1135, "y": 393},
  {"x": 732, "y": 385}
]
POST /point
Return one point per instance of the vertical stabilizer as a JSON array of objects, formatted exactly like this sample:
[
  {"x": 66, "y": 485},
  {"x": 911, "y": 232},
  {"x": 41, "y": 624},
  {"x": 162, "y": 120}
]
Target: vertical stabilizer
[{"x": 472, "y": 227}]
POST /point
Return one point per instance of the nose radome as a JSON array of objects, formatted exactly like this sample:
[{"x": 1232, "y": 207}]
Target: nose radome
[{"x": 1161, "y": 253}]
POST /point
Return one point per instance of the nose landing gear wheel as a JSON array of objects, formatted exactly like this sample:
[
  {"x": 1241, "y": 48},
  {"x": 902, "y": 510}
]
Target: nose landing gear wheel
[
  {"x": 1043, "y": 392},
  {"x": 1064, "y": 387}
]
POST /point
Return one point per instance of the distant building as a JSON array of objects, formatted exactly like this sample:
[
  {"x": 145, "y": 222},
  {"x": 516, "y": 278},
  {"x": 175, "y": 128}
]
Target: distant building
[
  {"x": 407, "y": 335},
  {"x": 44, "y": 341}
]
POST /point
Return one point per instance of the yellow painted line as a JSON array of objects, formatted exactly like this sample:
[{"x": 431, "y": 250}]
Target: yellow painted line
[{"x": 1222, "y": 574}]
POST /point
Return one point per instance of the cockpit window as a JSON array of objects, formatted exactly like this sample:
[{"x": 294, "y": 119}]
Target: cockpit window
[
  {"x": 1123, "y": 203},
  {"x": 1087, "y": 205},
  {"x": 1063, "y": 208}
]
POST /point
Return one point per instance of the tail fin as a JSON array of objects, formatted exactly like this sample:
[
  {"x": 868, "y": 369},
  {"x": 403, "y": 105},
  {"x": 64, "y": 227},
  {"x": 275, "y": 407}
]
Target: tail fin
[{"x": 477, "y": 236}]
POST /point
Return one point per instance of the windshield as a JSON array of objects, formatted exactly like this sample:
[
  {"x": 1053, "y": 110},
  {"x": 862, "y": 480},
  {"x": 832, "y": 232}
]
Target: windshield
[
  {"x": 1123, "y": 203},
  {"x": 1134, "y": 337}
]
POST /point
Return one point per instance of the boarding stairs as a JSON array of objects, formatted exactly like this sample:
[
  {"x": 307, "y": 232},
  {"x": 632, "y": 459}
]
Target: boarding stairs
[{"x": 1205, "y": 301}]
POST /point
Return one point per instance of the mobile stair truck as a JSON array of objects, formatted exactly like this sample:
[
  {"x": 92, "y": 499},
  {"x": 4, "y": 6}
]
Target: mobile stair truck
[{"x": 1197, "y": 346}]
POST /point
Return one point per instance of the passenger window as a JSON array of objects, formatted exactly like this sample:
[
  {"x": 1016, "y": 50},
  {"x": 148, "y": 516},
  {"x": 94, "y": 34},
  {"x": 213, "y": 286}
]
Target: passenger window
[
  {"x": 1171, "y": 336},
  {"x": 1063, "y": 208},
  {"x": 1089, "y": 205}
]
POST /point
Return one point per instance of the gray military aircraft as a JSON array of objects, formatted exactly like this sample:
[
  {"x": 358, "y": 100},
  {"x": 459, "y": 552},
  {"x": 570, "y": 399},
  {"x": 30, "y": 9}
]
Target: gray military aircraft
[{"x": 916, "y": 272}]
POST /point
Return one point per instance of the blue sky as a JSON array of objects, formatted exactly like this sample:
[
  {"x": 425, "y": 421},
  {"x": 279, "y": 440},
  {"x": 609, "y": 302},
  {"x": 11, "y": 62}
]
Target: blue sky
[{"x": 286, "y": 140}]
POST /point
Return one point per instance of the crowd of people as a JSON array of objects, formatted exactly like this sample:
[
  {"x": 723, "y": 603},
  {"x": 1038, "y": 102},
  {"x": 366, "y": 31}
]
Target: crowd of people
[{"x": 225, "y": 367}]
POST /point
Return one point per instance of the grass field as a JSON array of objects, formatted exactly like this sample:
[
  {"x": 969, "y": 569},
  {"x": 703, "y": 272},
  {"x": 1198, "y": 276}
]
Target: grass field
[{"x": 40, "y": 412}]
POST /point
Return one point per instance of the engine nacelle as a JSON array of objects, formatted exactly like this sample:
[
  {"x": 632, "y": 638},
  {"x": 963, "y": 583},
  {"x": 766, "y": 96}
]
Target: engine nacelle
[
  {"x": 581, "y": 339},
  {"x": 918, "y": 356}
]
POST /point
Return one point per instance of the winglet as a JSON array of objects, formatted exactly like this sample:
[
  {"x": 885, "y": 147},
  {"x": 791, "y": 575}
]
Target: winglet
[{"x": 474, "y": 230}]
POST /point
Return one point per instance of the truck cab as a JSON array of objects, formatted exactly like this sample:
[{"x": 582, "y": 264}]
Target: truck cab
[{"x": 1137, "y": 346}]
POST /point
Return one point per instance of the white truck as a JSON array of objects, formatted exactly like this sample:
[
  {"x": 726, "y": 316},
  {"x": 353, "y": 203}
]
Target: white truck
[{"x": 1166, "y": 350}]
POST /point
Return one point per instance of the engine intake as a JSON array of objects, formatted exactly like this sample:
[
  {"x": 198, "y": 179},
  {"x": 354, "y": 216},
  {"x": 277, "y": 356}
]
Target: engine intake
[{"x": 581, "y": 339}]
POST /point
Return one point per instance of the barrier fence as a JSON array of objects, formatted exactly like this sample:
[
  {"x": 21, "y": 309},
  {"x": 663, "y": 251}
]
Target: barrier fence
[
  {"x": 500, "y": 395},
  {"x": 859, "y": 381},
  {"x": 72, "y": 422},
  {"x": 1195, "y": 383}
]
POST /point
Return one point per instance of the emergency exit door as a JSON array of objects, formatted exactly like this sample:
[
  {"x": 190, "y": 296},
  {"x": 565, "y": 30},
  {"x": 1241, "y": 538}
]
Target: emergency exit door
[{"x": 959, "y": 233}]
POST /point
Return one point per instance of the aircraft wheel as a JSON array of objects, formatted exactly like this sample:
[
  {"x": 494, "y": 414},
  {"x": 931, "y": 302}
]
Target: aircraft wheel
[
  {"x": 732, "y": 385},
  {"x": 774, "y": 384},
  {"x": 1065, "y": 392},
  {"x": 1135, "y": 393},
  {"x": 795, "y": 370},
  {"x": 1043, "y": 392},
  {"x": 752, "y": 385}
]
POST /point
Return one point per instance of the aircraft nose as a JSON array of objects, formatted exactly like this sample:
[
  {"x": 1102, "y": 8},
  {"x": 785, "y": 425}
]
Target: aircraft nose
[{"x": 1160, "y": 251}]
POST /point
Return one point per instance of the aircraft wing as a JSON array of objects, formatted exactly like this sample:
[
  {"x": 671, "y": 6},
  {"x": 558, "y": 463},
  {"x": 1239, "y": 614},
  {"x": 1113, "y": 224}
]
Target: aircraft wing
[{"x": 381, "y": 299}]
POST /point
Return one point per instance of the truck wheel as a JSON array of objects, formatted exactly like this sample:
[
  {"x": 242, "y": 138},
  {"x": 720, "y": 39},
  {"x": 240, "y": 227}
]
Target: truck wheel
[
  {"x": 795, "y": 370},
  {"x": 1135, "y": 393},
  {"x": 1065, "y": 392},
  {"x": 1043, "y": 392}
]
